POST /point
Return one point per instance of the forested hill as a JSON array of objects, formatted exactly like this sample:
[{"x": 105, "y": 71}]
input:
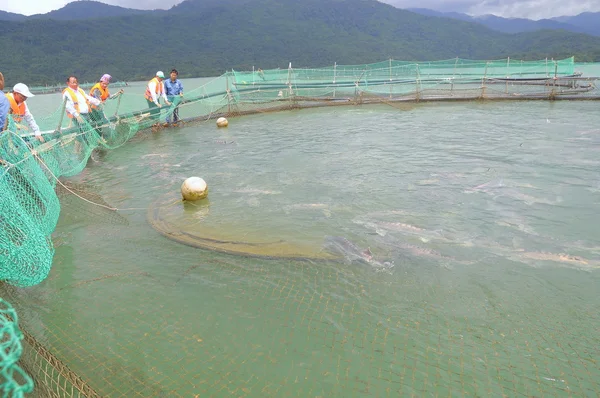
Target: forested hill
[
  {"x": 11, "y": 16},
  {"x": 208, "y": 37}
]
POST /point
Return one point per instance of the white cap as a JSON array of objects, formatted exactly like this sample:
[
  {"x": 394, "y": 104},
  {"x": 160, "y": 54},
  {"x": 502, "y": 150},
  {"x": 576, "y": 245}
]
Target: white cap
[
  {"x": 160, "y": 74},
  {"x": 23, "y": 90}
]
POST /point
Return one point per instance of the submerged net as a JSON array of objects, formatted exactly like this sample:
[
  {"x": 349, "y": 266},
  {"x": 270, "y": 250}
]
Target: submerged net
[
  {"x": 176, "y": 222},
  {"x": 31, "y": 171}
]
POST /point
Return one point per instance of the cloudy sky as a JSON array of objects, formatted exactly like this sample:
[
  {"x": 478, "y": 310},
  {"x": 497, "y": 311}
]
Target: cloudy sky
[
  {"x": 532, "y": 9},
  {"x": 30, "y": 7}
]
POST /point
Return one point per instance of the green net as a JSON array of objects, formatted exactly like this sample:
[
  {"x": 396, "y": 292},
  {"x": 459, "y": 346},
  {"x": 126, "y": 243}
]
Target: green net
[
  {"x": 451, "y": 78},
  {"x": 30, "y": 173},
  {"x": 15, "y": 382}
]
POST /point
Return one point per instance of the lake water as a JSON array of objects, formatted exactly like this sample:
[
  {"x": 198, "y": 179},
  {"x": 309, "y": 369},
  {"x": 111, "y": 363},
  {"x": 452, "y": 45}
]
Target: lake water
[{"x": 481, "y": 218}]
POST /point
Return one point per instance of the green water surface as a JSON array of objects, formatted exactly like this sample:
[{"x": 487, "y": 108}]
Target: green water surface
[{"x": 487, "y": 211}]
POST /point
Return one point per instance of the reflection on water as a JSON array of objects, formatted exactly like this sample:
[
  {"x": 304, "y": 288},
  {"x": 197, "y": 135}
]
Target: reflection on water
[{"x": 485, "y": 213}]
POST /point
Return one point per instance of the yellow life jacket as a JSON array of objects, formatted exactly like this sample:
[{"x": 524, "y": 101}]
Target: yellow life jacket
[
  {"x": 159, "y": 89},
  {"x": 73, "y": 96},
  {"x": 104, "y": 94},
  {"x": 17, "y": 110}
]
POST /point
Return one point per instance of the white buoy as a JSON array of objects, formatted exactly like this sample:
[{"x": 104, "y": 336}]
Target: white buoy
[
  {"x": 222, "y": 122},
  {"x": 194, "y": 188}
]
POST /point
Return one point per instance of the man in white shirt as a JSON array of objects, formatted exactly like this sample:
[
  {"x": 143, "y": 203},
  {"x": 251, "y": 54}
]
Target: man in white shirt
[
  {"x": 78, "y": 107},
  {"x": 77, "y": 101},
  {"x": 19, "y": 110}
]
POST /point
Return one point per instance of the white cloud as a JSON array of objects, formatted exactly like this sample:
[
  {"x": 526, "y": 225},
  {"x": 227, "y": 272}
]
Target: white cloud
[
  {"x": 532, "y": 9},
  {"x": 145, "y": 4},
  {"x": 30, "y": 7}
]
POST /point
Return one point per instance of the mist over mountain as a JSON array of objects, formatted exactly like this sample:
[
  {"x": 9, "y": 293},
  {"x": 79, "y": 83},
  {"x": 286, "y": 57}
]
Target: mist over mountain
[{"x": 588, "y": 23}]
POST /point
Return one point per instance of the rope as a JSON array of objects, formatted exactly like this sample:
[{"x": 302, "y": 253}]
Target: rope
[
  {"x": 34, "y": 154},
  {"x": 62, "y": 115},
  {"x": 116, "y": 115},
  {"x": 68, "y": 189}
]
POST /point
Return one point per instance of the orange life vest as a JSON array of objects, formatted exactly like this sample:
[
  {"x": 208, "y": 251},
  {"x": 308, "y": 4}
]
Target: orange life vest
[
  {"x": 104, "y": 94},
  {"x": 17, "y": 110},
  {"x": 159, "y": 89},
  {"x": 71, "y": 93}
]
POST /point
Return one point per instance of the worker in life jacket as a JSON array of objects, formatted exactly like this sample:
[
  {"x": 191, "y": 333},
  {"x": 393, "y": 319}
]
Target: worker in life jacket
[
  {"x": 19, "y": 110},
  {"x": 100, "y": 89},
  {"x": 154, "y": 91},
  {"x": 101, "y": 93},
  {"x": 78, "y": 103}
]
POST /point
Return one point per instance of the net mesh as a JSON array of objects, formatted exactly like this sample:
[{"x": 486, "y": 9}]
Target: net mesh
[
  {"x": 14, "y": 381},
  {"x": 31, "y": 169}
]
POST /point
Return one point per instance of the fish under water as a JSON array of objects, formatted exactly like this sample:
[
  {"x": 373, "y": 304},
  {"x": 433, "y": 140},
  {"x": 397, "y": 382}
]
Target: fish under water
[
  {"x": 401, "y": 247},
  {"x": 352, "y": 253},
  {"x": 498, "y": 188},
  {"x": 563, "y": 258},
  {"x": 256, "y": 191},
  {"x": 382, "y": 228}
]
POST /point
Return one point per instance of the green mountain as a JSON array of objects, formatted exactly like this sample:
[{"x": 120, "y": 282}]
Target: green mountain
[
  {"x": 586, "y": 20},
  {"x": 11, "y": 16},
  {"x": 208, "y": 37}
]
